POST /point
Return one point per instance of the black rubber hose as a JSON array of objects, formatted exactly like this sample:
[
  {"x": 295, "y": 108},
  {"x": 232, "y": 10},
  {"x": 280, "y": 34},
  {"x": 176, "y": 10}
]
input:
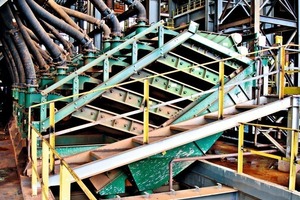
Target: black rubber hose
[
  {"x": 12, "y": 68},
  {"x": 10, "y": 23},
  {"x": 14, "y": 52},
  {"x": 32, "y": 48},
  {"x": 107, "y": 14},
  {"x": 60, "y": 24},
  {"x": 32, "y": 35},
  {"x": 67, "y": 45},
  {"x": 39, "y": 31}
]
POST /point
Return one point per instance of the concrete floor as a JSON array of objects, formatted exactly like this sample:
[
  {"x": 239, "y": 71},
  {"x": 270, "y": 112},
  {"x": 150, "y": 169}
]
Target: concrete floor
[{"x": 9, "y": 180}]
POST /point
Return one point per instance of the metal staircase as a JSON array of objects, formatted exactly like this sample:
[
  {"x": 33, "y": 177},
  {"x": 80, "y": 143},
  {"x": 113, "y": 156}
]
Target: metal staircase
[{"x": 166, "y": 143}]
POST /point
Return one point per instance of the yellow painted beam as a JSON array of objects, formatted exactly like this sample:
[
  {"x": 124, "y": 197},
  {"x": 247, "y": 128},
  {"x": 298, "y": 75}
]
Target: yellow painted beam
[
  {"x": 34, "y": 175},
  {"x": 45, "y": 171},
  {"x": 146, "y": 112},
  {"x": 268, "y": 155},
  {"x": 52, "y": 135},
  {"x": 281, "y": 73},
  {"x": 221, "y": 90},
  {"x": 240, "y": 149},
  {"x": 65, "y": 183},
  {"x": 292, "y": 90},
  {"x": 294, "y": 153}
]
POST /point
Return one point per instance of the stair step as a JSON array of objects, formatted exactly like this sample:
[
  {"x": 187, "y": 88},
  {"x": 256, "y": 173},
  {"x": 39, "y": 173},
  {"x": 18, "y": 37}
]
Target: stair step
[
  {"x": 101, "y": 180},
  {"x": 246, "y": 107},
  {"x": 215, "y": 116},
  {"x": 183, "y": 127},
  {"x": 104, "y": 153},
  {"x": 152, "y": 139}
]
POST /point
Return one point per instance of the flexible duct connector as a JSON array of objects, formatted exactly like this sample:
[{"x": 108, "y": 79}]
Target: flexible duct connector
[
  {"x": 34, "y": 51},
  {"x": 13, "y": 50},
  {"x": 12, "y": 68},
  {"x": 107, "y": 14},
  {"x": 25, "y": 56},
  {"x": 138, "y": 8},
  {"x": 67, "y": 45},
  {"x": 40, "y": 32},
  {"x": 60, "y": 24}
]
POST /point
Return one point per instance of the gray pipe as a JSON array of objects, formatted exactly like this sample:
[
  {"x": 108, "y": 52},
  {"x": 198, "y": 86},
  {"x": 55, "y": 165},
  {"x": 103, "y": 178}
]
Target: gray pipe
[
  {"x": 107, "y": 14},
  {"x": 139, "y": 9}
]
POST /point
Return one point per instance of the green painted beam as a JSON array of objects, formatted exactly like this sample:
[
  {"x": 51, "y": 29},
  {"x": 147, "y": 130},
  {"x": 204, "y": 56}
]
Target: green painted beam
[
  {"x": 125, "y": 124},
  {"x": 135, "y": 100},
  {"x": 121, "y": 76},
  {"x": 188, "y": 66},
  {"x": 166, "y": 84}
]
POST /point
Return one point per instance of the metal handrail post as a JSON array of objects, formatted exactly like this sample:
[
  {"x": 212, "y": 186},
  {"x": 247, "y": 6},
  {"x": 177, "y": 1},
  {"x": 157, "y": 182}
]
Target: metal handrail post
[{"x": 146, "y": 111}]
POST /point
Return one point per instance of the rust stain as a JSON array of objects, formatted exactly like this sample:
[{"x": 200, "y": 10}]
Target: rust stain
[{"x": 256, "y": 166}]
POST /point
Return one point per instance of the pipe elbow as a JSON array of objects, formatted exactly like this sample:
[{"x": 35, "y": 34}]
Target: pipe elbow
[{"x": 141, "y": 11}]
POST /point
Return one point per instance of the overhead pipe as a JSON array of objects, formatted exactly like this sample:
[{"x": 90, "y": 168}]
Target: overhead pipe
[
  {"x": 92, "y": 20},
  {"x": 21, "y": 46},
  {"x": 60, "y": 24},
  {"x": 40, "y": 32},
  {"x": 107, "y": 14},
  {"x": 136, "y": 7},
  {"x": 32, "y": 48},
  {"x": 57, "y": 8}
]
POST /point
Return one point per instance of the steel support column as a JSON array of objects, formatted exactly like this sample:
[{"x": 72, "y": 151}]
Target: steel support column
[{"x": 293, "y": 122}]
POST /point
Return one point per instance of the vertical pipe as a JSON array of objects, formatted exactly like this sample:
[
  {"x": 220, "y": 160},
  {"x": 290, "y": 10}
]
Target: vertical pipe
[
  {"x": 146, "y": 112},
  {"x": 240, "y": 149},
  {"x": 221, "y": 90}
]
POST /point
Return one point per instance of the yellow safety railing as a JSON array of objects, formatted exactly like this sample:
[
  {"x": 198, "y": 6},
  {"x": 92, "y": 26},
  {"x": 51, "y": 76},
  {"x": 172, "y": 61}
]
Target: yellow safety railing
[
  {"x": 48, "y": 160},
  {"x": 221, "y": 90},
  {"x": 293, "y": 157},
  {"x": 197, "y": 4},
  {"x": 146, "y": 112}
]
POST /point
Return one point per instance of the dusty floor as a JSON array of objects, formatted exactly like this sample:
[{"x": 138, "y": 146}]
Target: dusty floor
[
  {"x": 9, "y": 180},
  {"x": 256, "y": 166}
]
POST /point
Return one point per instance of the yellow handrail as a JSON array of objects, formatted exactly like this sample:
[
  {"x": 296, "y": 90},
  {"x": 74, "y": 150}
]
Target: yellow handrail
[
  {"x": 292, "y": 159},
  {"x": 46, "y": 148}
]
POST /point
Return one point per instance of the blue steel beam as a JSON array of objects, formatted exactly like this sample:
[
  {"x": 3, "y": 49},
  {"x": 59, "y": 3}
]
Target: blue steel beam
[{"x": 121, "y": 76}]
